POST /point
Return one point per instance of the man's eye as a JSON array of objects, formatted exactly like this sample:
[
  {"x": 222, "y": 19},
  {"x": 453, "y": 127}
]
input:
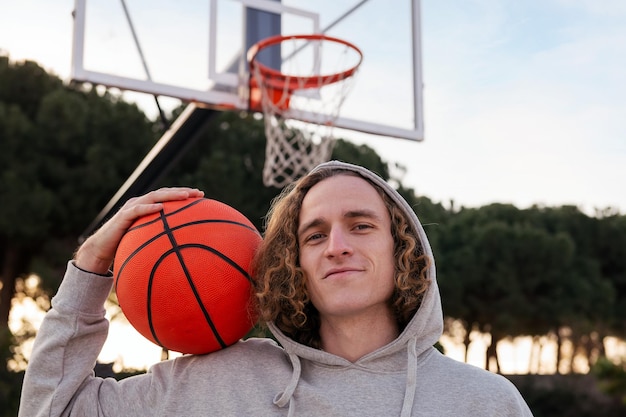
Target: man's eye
[{"x": 314, "y": 236}]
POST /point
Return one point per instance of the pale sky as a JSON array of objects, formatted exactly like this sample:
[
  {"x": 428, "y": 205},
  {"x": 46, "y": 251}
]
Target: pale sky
[{"x": 524, "y": 101}]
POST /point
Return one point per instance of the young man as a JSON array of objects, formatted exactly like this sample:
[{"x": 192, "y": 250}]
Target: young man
[{"x": 345, "y": 280}]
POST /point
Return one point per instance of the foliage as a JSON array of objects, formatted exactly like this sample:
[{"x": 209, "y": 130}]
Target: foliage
[
  {"x": 10, "y": 382},
  {"x": 612, "y": 378},
  {"x": 507, "y": 271},
  {"x": 64, "y": 151},
  {"x": 609, "y": 251},
  {"x": 566, "y": 396}
]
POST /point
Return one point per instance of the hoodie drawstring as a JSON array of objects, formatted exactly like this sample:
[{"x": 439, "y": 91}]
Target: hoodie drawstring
[
  {"x": 286, "y": 396},
  {"x": 411, "y": 379}
]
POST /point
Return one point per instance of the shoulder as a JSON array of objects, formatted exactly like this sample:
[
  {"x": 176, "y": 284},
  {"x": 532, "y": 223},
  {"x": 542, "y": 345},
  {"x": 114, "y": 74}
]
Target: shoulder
[
  {"x": 245, "y": 354},
  {"x": 477, "y": 388},
  {"x": 252, "y": 350},
  {"x": 459, "y": 373},
  {"x": 258, "y": 365}
]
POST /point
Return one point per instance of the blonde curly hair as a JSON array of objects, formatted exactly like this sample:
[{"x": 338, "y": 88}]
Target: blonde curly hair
[{"x": 280, "y": 283}]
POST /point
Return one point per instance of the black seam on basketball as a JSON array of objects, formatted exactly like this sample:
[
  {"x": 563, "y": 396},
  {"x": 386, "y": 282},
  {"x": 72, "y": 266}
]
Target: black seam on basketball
[
  {"x": 132, "y": 255},
  {"x": 195, "y": 222},
  {"x": 179, "y": 255},
  {"x": 216, "y": 221},
  {"x": 205, "y": 313},
  {"x": 155, "y": 237},
  {"x": 221, "y": 255},
  {"x": 149, "y": 303},
  {"x": 193, "y": 203}
]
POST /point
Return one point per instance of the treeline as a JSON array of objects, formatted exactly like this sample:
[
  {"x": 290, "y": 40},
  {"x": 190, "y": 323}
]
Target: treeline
[
  {"x": 65, "y": 150},
  {"x": 539, "y": 271}
]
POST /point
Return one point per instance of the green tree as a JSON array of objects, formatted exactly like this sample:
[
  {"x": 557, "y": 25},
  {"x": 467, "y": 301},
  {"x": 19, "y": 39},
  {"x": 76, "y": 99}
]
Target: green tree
[
  {"x": 611, "y": 377},
  {"x": 610, "y": 253},
  {"x": 511, "y": 272},
  {"x": 64, "y": 152},
  {"x": 590, "y": 309}
]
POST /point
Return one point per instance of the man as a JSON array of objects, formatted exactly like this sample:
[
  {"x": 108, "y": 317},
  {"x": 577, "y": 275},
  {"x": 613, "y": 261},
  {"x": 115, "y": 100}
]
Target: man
[{"x": 345, "y": 280}]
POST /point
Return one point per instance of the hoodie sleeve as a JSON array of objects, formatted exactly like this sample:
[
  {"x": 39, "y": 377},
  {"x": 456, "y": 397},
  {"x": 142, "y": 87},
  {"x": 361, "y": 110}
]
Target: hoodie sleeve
[{"x": 70, "y": 338}]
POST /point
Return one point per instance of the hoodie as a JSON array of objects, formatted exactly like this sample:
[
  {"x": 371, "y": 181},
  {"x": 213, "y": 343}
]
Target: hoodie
[{"x": 258, "y": 377}]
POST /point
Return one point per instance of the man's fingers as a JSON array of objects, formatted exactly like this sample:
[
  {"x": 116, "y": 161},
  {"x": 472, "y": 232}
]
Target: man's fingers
[{"x": 97, "y": 251}]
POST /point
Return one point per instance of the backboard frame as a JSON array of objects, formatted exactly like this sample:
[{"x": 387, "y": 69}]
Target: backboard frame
[{"x": 232, "y": 91}]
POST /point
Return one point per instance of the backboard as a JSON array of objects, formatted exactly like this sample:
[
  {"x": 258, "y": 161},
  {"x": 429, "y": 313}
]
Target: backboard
[{"x": 195, "y": 50}]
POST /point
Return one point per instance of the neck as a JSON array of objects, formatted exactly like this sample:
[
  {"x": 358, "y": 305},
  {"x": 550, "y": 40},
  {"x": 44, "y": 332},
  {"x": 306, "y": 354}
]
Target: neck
[{"x": 353, "y": 338}]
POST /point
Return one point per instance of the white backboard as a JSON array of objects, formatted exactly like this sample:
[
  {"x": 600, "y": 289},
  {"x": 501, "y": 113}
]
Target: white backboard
[{"x": 195, "y": 50}]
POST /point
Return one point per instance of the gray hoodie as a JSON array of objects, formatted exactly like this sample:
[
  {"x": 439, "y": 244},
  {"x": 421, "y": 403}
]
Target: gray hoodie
[{"x": 257, "y": 377}]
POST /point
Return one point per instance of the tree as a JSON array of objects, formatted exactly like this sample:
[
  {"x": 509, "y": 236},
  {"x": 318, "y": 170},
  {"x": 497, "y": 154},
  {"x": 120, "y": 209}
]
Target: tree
[
  {"x": 64, "y": 152},
  {"x": 511, "y": 272},
  {"x": 610, "y": 252},
  {"x": 597, "y": 265},
  {"x": 612, "y": 378}
]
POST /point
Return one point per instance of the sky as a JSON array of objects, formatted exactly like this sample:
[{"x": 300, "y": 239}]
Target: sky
[{"x": 524, "y": 101}]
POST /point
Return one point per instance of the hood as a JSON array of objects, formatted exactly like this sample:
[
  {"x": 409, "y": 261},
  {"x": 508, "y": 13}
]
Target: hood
[{"x": 417, "y": 339}]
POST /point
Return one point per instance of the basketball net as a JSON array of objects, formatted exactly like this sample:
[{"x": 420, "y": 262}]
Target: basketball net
[{"x": 301, "y": 101}]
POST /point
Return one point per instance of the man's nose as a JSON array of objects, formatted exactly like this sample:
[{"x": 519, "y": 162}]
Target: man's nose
[{"x": 338, "y": 243}]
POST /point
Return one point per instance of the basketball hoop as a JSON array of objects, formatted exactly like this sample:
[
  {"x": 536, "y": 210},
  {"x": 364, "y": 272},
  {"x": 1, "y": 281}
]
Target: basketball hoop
[{"x": 300, "y": 100}]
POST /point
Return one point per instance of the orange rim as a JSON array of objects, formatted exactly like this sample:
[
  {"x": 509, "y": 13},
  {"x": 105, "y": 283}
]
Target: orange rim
[{"x": 278, "y": 80}]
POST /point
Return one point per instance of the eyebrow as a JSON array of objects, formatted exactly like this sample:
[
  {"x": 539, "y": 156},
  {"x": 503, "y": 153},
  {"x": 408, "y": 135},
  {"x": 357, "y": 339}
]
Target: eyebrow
[{"x": 351, "y": 214}]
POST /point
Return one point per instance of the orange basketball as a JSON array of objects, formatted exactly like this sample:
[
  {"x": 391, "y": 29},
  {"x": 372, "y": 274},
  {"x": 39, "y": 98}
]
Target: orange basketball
[{"x": 182, "y": 276}]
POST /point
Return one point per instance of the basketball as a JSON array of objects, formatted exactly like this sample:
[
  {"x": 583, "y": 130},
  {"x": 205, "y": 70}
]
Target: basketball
[{"x": 182, "y": 276}]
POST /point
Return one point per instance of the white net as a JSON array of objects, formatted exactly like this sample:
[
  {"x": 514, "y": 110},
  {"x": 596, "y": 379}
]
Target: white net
[{"x": 301, "y": 103}]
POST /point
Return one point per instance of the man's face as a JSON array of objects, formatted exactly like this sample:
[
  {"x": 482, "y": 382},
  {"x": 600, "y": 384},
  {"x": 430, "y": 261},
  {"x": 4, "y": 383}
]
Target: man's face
[{"x": 346, "y": 248}]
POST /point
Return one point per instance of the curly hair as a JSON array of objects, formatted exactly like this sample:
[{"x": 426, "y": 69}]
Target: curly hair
[{"x": 280, "y": 283}]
